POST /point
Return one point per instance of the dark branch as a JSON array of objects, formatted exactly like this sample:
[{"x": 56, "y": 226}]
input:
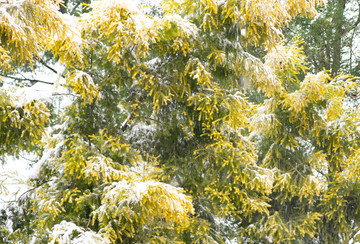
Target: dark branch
[
  {"x": 47, "y": 66},
  {"x": 26, "y": 79},
  {"x": 63, "y": 94}
]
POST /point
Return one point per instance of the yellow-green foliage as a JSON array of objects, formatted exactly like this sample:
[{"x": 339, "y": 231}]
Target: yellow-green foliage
[
  {"x": 33, "y": 26},
  {"x": 282, "y": 169},
  {"x": 28, "y": 28},
  {"x": 311, "y": 141},
  {"x": 132, "y": 198},
  {"x": 127, "y": 206},
  {"x": 21, "y": 125},
  {"x": 82, "y": 84}
]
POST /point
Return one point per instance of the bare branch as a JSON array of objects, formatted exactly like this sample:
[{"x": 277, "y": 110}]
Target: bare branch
[
  {"x": 47, "y": 66},
  {"x": 26, "y": 79}
]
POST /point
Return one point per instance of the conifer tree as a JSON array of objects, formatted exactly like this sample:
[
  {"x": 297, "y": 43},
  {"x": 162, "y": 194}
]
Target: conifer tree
[{"x": 160, "y": 144}]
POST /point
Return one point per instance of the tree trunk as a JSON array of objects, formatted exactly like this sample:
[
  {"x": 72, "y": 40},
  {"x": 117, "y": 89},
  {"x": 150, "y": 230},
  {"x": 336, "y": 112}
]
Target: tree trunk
[{"x": 338, "y": 21}]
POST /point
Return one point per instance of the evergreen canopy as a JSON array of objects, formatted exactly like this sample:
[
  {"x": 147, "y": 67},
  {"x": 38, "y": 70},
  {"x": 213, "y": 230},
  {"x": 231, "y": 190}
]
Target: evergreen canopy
[{"x": 177, "y": 132}]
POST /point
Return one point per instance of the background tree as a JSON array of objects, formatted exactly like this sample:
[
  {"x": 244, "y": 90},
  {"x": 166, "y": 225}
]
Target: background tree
[{"x": 331, "y": 39}]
